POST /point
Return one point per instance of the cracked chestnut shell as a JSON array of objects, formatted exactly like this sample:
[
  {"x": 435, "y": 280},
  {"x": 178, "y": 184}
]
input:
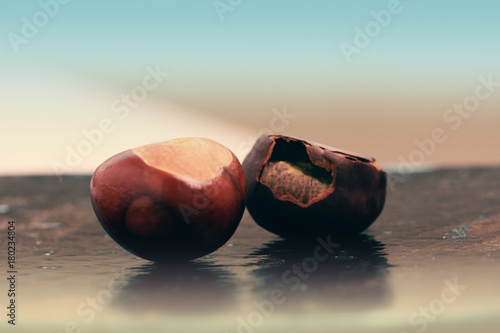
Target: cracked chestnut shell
[
  {"x": 179, "y": 199},
  {"x": 300, "y": 189}
]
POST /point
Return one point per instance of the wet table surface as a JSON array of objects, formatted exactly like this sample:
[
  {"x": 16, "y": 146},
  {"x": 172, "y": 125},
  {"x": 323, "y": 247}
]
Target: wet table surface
[{"x": 431, "y": 263}]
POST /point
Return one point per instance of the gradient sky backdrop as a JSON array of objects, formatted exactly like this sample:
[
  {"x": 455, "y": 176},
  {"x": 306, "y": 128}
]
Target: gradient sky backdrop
[{"x": 226, "y": 77}]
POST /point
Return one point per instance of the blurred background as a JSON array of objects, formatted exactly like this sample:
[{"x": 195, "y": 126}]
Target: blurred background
[{"x": 84, "y": 80}]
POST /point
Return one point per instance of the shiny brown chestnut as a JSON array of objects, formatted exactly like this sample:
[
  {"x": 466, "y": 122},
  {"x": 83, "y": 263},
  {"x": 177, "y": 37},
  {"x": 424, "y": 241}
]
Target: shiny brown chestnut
[
  {"x": 300, "y": 189},
  {"x": 178, "y": 199}
]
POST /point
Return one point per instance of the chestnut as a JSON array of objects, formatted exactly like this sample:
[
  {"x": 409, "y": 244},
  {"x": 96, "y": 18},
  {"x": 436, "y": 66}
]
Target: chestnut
[
  {"x": 300, "y": 189},
  {"x": 178, "y": 199}
]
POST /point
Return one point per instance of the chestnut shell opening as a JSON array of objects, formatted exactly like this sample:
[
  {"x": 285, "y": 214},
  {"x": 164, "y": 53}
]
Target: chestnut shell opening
[{"x": 291, "y": 175}]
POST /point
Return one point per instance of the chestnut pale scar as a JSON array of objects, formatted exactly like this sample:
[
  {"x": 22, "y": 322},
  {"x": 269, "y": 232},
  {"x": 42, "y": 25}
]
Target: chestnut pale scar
[{"x": 188, "y": 163}]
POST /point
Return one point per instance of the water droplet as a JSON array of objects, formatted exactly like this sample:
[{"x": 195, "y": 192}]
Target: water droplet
[
  {"x": 4, "y": 209},
  {"x": 50, "y": 225}
]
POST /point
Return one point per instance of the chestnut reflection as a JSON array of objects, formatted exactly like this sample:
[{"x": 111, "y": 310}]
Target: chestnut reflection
[
  {"x": 347, "y": 275},
  {"x": 184, "y": 287}
]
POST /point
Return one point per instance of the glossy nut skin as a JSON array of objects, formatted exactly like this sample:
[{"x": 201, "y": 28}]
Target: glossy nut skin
[
  {"x": 353, "y": 201},
  {"x": 161, "y": 216}
]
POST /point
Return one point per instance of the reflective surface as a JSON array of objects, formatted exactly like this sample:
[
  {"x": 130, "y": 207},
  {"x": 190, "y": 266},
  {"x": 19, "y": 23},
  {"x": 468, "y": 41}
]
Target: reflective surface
[{"x": 430, "y": 263}]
